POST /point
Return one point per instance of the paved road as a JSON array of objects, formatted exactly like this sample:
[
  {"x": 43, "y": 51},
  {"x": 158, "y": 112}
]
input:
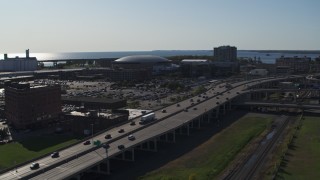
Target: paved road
[{"x": 50, "y": 168}]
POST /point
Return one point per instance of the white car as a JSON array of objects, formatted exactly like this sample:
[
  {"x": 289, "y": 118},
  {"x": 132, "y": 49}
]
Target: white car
[{"x": 131, "y": 137}]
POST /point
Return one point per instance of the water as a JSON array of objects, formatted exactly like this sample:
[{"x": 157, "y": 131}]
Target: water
[{"x": 264, "y": 57}]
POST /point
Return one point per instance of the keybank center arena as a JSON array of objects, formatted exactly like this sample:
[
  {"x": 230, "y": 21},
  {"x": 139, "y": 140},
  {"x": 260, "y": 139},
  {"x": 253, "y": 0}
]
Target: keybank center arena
[{"x": 155, "y": 64}]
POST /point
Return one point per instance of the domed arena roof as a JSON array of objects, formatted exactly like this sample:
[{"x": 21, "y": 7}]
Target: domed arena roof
[{"x": 142, "y": 59}]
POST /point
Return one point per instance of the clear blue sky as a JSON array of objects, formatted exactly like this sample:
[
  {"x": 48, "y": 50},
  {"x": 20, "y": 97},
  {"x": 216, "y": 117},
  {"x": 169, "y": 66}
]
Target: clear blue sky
[{"x": 133, "y": 25}]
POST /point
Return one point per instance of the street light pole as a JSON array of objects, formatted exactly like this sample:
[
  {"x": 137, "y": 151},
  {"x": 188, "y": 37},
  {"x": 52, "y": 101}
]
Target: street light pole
[{"x": 92, "y": 133}]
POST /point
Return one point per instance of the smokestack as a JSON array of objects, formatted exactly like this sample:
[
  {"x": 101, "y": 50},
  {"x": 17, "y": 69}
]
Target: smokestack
[
  {"x": 27, "y": 53},
  {"x": 5, "y": 56}
]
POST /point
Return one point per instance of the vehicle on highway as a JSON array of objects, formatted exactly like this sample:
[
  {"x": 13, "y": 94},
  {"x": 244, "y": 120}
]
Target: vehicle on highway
[
  {"x": 164, "y": 111},
  {"x": 194, "y": 108},
  {"x": 121, "y": 131},
  {"x": 105, "y": 145},
  {"x": 131, "y": 137},
  {"x": 34, "y": 166},
  {"x": 178, "y": 105},
  {"x": 132, "y": 123},
  {"x": 121, "y": 146},
  {"x": 86, "y": 142},
  {"x": 147, "y": 118},
  {"x": 55, "y": 154},
  {"x": 108, "y": 136},
  {"x": 217, "y": 103}
]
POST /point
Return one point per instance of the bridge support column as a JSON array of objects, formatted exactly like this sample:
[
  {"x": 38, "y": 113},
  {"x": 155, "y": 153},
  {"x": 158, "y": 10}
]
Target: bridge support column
[
  {"x": 217, "y": 112},
  {"x": 199, "y": 122},
  {"x": 148, "y": 147},
  {"x": 224, "y": 108}
]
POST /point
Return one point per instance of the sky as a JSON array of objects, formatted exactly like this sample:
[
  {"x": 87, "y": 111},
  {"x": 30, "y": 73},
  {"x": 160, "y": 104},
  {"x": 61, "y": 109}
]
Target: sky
[{"x": 142, "y": 25}]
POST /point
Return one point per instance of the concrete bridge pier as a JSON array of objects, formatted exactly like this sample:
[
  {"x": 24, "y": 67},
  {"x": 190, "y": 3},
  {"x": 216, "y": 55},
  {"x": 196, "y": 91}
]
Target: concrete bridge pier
[
  {"x": 169, "y": 137},
  {"x": 149, "y": 145},
  {"x": 127, "y": 155}
]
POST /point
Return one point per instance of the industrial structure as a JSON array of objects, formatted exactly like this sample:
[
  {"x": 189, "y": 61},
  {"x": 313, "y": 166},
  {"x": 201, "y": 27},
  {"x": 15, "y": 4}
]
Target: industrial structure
[{"x": 18, "y": 63}]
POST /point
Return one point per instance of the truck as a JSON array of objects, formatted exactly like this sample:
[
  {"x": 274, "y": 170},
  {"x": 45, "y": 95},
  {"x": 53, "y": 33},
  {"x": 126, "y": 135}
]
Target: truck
[{"x": 147, "y": 118}]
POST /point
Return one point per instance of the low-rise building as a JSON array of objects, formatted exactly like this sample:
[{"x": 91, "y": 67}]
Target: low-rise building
[{"x": 296, "y": 64}]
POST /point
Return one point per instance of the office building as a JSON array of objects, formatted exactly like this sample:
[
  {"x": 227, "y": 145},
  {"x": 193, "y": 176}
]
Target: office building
[
  {"x": 295, "y": 64},
  {"x": 28, "y": 106},
  {"x": 225, "y": 54}
]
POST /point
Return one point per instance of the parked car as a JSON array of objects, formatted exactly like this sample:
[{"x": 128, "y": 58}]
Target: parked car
[{"x": 34, "y": 166}]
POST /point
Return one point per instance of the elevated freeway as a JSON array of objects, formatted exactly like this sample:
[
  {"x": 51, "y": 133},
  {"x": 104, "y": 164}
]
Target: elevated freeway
[{"x": 79, "y": 158}]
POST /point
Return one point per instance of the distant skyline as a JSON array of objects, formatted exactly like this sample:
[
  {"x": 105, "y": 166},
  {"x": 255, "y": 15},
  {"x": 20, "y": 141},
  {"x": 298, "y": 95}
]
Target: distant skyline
[{"x": 143, "y": 25}]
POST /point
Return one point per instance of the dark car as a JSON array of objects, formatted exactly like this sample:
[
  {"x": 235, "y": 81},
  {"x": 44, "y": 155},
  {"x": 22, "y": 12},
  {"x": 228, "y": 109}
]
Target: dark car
[
  {"x": 106, "y": 146},
  {"x": 178, "y": 105},
  {"x": 55, "y": 154},
  {"x": 132, "y": 123},
  {"x": 87, "y": 142},
  {"x": 164, "y": 111},
  {"x": 108, "y": 136},
  {"x": 121, "y": 146},
  {"x": 217, "y": 103},
  {"x": 34, "y": 166},
  {"x": 194, "y": 108},
  {"x": 121, "y": 131}
]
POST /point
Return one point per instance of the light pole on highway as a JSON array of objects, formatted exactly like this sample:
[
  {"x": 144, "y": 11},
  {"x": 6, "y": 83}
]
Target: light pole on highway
[{"x": 92, "y": 133}]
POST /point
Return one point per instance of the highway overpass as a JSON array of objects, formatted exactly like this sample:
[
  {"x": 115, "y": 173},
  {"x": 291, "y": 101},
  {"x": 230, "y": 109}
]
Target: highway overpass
[{"x": 80, "y": 158}]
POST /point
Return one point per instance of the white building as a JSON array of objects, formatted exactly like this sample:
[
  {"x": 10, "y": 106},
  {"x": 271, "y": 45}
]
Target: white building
[{"x": 18, "y": 64}]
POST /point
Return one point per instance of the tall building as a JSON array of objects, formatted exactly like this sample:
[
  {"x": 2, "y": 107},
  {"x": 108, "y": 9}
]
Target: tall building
[
  {"x": 225, "y": 53},
  {"x": 29, "y": 106}
]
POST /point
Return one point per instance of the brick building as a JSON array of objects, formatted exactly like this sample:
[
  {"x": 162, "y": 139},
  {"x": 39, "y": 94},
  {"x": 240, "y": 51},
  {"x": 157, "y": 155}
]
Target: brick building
[
  {"x": 296, "y": 64},
  {"x": 29, "y": 106}
]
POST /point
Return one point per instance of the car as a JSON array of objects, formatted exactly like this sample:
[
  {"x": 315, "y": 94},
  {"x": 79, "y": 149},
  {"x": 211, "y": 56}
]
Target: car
[
  {"x": 86, "y": 142},
  {"x": 132, "y": 123},
  {"x": 34, "y": 166},
  {"x": 191, "y": 100},
  {"x": 178, "y": 105},
  {"x": 227, "y": 98},
  {"x": 55, "y": 154},
  {"x": 121, "y": 146},
  {"x": 217, "y": 103},
  {"x": 105, "y": 145},
  {"x": 121, "y": 130},
  {"x": 108, "y": 136},
  {"x": 198, "y": 100},
  {"x": 238, "y": 92},
  {"x": 217, "y": 97},
  {"x": 164, "y": 111},
  {"x": 194, "y": 108},
  {"x": 131, "y": 137}
]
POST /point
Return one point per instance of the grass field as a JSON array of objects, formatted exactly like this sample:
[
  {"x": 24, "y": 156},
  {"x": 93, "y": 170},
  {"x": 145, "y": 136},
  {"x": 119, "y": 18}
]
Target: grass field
[
  {"x": 30, "y": 148},
  {"x": 303, "y": 160},
  {"x": 210, "y": 158}
]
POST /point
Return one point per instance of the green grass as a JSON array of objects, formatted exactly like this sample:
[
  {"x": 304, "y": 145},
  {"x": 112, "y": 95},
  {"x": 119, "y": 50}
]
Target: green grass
[
  {"x": 303, "y": 161},
  {"x": 210, "y": 158},
  {"x": 31, "y": 148}
]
